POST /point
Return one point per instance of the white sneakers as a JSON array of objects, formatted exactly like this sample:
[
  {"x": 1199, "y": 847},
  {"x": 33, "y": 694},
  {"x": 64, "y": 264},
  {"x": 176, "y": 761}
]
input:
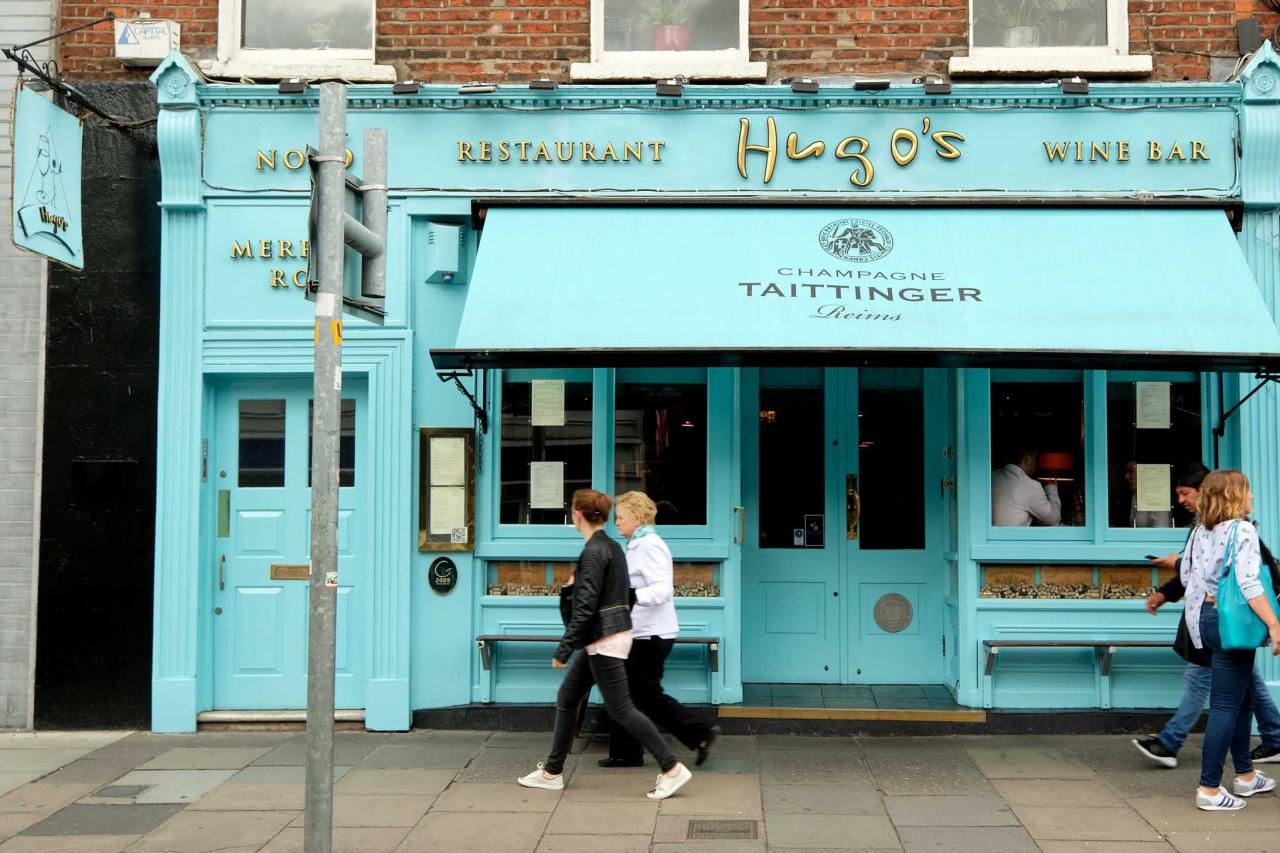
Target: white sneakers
[
  {"x": 1224, "y": 802},
  {"x": 668, "y": 785},
  {"x": 538, "y": 779},
  {"x": 1260, "y": 785}
]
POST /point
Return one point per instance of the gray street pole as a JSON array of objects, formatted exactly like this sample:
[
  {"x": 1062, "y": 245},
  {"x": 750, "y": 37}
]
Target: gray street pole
[{"x": 318, "y": 832}]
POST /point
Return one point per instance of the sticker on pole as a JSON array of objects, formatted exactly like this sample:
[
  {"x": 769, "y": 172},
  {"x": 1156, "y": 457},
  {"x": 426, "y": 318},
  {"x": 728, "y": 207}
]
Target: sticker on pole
[{"x": 331, "y": 580}]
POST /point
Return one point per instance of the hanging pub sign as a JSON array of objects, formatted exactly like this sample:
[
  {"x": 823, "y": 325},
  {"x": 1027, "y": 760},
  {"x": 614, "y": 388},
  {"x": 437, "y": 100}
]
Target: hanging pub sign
[{"x": 46, "y": 180}]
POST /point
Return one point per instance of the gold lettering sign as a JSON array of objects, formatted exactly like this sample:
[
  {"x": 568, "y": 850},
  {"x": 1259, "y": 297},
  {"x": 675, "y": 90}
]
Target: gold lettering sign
[
  {"x": 292, "y": 159},
  {"x": 276, "y": 250},
  {"x": 1119, "y": 150},
  {"x": 560, "y": 151}
]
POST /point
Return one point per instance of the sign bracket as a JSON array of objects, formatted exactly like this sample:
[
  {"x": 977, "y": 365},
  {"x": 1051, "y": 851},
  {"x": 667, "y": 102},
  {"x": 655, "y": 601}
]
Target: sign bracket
[{"x": 50, "y": 74}]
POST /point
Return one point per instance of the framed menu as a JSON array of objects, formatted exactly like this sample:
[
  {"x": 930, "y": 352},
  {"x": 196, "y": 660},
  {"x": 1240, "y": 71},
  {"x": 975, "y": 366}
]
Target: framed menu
[{"x": 446, "y": 497}]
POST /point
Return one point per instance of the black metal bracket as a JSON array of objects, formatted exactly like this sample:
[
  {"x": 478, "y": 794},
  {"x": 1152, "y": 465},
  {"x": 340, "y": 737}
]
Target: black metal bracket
[
  {"x": 477, "y": 406},
  {"x": 51, "y": 75},
  {"x": 1263, "y": 377}
]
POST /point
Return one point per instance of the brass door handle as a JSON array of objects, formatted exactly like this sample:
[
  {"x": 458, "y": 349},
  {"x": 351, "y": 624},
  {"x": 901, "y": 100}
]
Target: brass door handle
[
  {"x": 852, "y": 506},
  {"x": 222, "y": 571},
  {"x": 741, "y": 535}
]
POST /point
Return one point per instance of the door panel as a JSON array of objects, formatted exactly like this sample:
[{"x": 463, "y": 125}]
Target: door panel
[{"x": 261, "y": 459}]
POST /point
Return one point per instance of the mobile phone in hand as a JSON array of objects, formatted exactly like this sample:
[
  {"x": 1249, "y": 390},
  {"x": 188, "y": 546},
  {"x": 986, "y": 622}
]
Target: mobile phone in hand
[{"x": 1152, "y": 557}]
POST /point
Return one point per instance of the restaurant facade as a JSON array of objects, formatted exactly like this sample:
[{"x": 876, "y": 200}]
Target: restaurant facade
[{"x": 810, "y": 325}]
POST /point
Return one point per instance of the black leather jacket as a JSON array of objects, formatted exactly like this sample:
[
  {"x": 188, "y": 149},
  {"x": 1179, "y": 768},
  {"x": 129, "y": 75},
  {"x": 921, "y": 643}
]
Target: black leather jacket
[{"x": 600, "y": 596}]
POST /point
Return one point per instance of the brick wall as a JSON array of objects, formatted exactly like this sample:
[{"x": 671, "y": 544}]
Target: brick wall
[
  {"x": 455, "y": 40},
  {"x": 22, "y": 336}
]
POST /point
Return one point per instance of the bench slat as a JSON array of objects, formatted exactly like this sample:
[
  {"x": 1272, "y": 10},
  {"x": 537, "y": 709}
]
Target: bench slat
[{"x": 483, "y": 641}]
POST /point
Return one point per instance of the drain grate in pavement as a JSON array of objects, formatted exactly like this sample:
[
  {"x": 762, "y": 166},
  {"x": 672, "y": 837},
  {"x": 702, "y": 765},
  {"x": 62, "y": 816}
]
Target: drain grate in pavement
[
  {"x": 122, "y": 792},
  {"x": 735, "y": 830}
]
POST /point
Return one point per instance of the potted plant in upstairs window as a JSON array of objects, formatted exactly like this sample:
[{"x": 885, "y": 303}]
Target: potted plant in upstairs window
[
  {"x": 669, "y": 22},
  {"x": 321, "y": 33},
  {"x": 1075, "y": 23},
  {"x": 1021, "y": 21}
]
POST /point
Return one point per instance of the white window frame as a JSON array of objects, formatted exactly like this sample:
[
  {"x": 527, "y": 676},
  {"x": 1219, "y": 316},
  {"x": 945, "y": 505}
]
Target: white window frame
[
  {"x": 1111, "y": 58},
  {"x": 729, "y": 63},
  {"x": 230, "y": 27}
]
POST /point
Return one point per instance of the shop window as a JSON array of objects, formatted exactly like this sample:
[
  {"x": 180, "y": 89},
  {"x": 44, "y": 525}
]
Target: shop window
[
  {"x": 791, "y": 465},
  {"x": 545, "y": 450},
  {"x": 276, "y": 31},
  {"x": 1037, "y": 449},
  {"x": 660, "y": 443},
  {"x": 706, "y": 38},
  {"x": 346, "y": 443},
  {"x": 261, "y": 440},
  {"x": 1154, "y": 431},
  {"x": 891, "y": 459},
  {"x": 1059, "y": 35}
]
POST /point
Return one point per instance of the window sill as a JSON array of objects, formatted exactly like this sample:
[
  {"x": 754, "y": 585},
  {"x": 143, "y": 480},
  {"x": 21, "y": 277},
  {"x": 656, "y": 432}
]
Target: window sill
[
  {"x": 660, "y": 67},
  {"x": 1048, "y": 61},
  {"x": 354, "y": 72}
]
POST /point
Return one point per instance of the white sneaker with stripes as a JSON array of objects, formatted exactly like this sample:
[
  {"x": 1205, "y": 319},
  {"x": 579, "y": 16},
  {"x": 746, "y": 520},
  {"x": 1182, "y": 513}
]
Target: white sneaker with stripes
[
  {"x": 1259, "y": 784},
  {"x": 1219, "y": 802}
]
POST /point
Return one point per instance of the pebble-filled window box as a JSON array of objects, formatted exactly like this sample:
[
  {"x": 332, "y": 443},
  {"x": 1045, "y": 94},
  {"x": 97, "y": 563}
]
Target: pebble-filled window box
[
  {"x": 1071, "y": 582},
  {"x": 692, "y": 580}
]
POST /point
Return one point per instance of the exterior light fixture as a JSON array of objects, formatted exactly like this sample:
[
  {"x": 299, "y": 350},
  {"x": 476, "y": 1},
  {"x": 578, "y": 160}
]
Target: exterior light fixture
[
  {"x": 406, "y": 87},
  {"x": 804, "y": 86},
  {"x": 1074, "y": 86},
  {"x": 672, "y": 88},
  {"x": 292, "y": 86},
  {"x": 475, "y": 87},
  {"x": 543, "y": 84},
  {"x": 935, "y": 85},
  {"x": 870, "y": 85}
]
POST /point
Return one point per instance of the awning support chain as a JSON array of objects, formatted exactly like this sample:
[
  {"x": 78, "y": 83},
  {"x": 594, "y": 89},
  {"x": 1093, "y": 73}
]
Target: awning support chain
[
  {"x": 1263, "y": 378},
  {"x": 478, "y": 407}
]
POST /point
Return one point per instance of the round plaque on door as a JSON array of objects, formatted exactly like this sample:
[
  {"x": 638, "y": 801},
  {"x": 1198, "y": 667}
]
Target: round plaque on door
[{"x": 893, "y": 612}]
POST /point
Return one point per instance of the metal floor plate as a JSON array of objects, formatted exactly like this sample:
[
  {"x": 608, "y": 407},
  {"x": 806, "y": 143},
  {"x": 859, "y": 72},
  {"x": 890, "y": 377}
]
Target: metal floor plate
[{"x": 720, "y": 830}]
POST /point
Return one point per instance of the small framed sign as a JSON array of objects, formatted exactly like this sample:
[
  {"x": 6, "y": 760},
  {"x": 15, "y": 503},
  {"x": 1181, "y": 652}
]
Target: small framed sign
[
  {"x": 446, "y": 499},
  {"x": 442, "y": 575}
]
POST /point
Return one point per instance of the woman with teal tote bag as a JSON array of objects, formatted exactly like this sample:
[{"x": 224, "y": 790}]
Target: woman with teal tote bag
[{"x": 1230, "y": 610}]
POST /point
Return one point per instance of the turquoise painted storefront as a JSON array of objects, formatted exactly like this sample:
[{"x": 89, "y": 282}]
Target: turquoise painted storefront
[{"x": 607, "y": 239}]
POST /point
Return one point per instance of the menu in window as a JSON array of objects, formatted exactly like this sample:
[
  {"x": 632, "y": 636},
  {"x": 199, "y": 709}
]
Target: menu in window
[
  {"x": 448, "y": 511},
  {"x": 448, "y": 461},
  {"x": 1153, "y": 487},
  {"x": 1152, "y": 405},
  {"x": 546, "y": 485},
  {"x": 547, "y": 402}
]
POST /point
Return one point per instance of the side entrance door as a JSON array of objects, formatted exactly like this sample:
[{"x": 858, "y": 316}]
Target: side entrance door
[
  {"x": 843, "y": 572},
  {"x": 261, "y": 470}
]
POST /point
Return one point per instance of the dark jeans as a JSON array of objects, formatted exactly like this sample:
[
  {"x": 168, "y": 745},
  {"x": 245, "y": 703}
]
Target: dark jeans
[
  {"x": 1230, "y": 707},
  {"x": 610, "y": 674},
  {"x": 644, "y": 678}
]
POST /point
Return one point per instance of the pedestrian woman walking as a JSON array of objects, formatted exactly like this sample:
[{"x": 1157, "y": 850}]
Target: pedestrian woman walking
[
  {"x": 654, "y": 627},
  {"x": 599, "y": 629},
  {"x": 1224, "y": 505}
]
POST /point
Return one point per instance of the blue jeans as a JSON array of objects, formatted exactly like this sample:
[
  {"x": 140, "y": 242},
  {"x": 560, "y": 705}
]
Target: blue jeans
[
  {"x": 1230, "y": 705},
  {"x": 1194, "y": 696}
]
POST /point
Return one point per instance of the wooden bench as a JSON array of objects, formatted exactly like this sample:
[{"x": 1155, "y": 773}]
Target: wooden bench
[
  {"x": 485, "y": 643},
  {"x": 1105, "y": 651}
]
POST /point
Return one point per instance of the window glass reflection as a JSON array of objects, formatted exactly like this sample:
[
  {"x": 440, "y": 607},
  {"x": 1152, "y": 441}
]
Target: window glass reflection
[
  {"x": 1153, "y": 433},
  {"x": 1039, "y": 23},
  {"x": 660, "y": 447},
  {"x": 314, "y": 25},
  {"x": 671, "y": 25},
  {"x": 261, "y": 441},
  {"x": 542, "y": 466},
  {"x": 792, "y": 468}
]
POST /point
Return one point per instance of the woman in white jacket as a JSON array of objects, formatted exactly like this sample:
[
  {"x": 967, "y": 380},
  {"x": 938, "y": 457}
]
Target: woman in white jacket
[{"x": 654, "y": 628}]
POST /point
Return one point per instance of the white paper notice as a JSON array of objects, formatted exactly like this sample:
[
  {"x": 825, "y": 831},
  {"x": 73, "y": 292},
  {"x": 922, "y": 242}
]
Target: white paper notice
[
  {"x": 1152, "y": 405},
  {"x": 547, "y": 403},
  {"x": 1153, "y": 488},
  {"x": 448, "y": 510},
  {"x": 546, "y": 485},
  {"x": 448, "y": 467}
]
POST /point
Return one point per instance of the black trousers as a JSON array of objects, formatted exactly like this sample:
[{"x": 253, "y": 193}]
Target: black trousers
[
  {"x": 644, "y": 677},
  {"x": 610, "y": 675}
]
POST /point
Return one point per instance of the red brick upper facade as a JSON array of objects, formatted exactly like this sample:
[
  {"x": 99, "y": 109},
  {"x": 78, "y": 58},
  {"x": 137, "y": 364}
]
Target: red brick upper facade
[{"x": 508, "y": 40}]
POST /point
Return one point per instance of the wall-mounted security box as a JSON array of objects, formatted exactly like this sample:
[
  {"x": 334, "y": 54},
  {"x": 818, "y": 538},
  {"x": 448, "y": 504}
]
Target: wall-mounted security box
[
  {"x": 145, "y": 41},
  {"x": 444, "y": 253}
]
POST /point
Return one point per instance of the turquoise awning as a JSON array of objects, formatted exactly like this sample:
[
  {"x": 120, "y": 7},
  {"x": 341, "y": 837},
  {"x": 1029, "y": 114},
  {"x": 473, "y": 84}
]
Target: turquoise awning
[{"x": 1040, "y": 287}]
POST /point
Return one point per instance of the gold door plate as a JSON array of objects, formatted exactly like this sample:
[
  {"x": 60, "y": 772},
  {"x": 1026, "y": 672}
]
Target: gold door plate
[{"x": 290, "y": 571}]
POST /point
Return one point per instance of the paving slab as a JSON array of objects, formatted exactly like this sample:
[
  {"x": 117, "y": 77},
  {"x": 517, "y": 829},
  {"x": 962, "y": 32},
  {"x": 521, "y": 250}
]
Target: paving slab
[
  {"x": 595, "y": 844},
  {"x": 98, "y": 771},
  {"x": 1055, "y": 792},
  {"x": 88, "y": 741},
  {"x": 609, "y": 787},
  {"x": 419, "y": 782},
  {"x": 1074, "y": 823},
  {"x": 203, "y": 832},
  {"x": 846, "y": 832},
  {"x": 1179, "y": 814},
  {"x": 712, "y": 847},
  {"x": 159, "y": 786},
  {"x": 433, "y": 754},
  {"x": 672, "y": 829},
  {"x": 374, "y": 810},
  {"x": 920, "y": 772},
  {"x": 603, "y": 818},
  {"x": 961, "y": 839},
  {"x": 78, "y": 819},
  {"x": 1224, "y": 841},
  {"x": 466, "y": 832},
  {"x": 518, "y": 740},
  {"x": 798, "y": 743},
  {"x": 958, "y": 810},
  {"x": 814, "y": 768},
  {"x": 1107, "y": 847},
  {"x": 507, "y": 765},
  {"x": 495, "y": 796},
  {"x": 254, "y": 796},
  {"x": 281, "y": 773},
  {"x": 42, "y": 761},
  {"x": 821, "y": 799},
  {"x": 13, "y": 823},
  {"x": 349, "y": 748},
  {"x": 78, "y": 844},
  {"x": 345, "y": 840},
  {"x": 708, "y": 793},
  {"x": 205, "y": 758},
  {"x": 44, "y": 798},
  {"x": 1022, "y": 762},
  {"x": 11, "y": 780}
]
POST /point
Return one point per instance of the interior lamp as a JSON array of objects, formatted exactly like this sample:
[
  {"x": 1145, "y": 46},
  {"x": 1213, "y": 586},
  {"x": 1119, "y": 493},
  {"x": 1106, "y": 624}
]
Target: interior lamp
[{"x": 1056, "y": 467}]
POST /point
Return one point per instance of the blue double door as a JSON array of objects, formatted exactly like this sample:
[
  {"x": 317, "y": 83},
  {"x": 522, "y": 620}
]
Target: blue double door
[
  {"x": 847, "y": 479},
  {"x": 260, "y": 501}
]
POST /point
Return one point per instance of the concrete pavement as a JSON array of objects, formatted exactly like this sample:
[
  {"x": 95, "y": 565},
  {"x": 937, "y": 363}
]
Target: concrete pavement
[{"x": 455, "y": 792}]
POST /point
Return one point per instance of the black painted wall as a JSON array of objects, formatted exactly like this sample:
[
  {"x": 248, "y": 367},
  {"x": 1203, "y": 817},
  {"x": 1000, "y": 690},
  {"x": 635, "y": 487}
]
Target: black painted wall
[{"x": 93, "y": 641}]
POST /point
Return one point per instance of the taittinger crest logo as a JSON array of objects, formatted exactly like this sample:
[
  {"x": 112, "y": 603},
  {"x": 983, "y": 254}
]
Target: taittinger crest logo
[{"x": 857, "y": 240}]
